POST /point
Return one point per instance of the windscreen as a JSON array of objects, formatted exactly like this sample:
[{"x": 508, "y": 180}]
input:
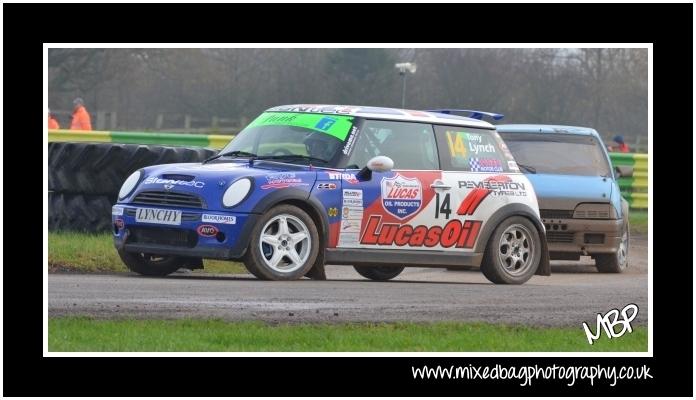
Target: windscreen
[
  {"x": 558, "y": 154},
  {"x": 319, "y": 136}
]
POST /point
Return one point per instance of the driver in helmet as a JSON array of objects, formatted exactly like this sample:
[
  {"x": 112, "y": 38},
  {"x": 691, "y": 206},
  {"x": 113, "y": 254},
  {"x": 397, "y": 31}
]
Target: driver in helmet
[{"x": 318, "y": 147}]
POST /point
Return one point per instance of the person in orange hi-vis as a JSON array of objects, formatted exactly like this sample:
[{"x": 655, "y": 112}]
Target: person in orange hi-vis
[
  {"x": 80, "y": 116},
  {"x": 52, "y": 121}
]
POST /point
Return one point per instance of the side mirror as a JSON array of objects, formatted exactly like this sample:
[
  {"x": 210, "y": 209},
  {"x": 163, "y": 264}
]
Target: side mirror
[
  {"x": 624, "y": 171},
  {"x": 376, "y": 164}
]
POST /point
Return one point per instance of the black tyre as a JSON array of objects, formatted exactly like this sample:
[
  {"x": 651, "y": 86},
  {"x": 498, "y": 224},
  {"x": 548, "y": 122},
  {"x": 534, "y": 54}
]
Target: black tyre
[
  {"x": 378, "y": 273},
  {"x": 284, "y": 244},
  {"x": 513, "y": 252},
  {"x": 617, "y": 262},
  {"x": 75, "y": 212},
  {"x": 101, "y": 168},
  {"x": 151, "y": 265}
]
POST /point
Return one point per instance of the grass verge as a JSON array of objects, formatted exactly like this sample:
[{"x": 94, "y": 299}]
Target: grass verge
[
  {"x": 82, "y": 252},
  {"x": 86, "y": 334}
]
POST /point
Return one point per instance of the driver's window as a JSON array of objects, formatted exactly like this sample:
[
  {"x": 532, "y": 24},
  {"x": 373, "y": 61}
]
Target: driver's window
[{"x": 410, "y": 145}]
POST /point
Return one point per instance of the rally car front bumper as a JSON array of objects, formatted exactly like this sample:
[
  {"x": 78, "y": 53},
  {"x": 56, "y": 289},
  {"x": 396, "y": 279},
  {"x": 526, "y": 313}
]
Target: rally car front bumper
[
  {"x": 583, "y": 236},
  {"x": 230, "y": 242}
]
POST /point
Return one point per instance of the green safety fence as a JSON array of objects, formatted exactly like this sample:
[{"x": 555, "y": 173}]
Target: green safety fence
[
  {"x": 173, "y": 139},
  {"x": 635, "y": 188}
]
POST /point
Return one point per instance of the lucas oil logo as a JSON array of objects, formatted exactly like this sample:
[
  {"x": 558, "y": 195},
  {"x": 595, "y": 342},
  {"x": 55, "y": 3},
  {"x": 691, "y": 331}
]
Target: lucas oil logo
[{"x": 401, "y": 196}]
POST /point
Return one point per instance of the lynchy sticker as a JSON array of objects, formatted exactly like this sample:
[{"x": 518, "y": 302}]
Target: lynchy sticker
[
  {"x": 401, "y": 197},
  {"x": 219, "y": 219}
]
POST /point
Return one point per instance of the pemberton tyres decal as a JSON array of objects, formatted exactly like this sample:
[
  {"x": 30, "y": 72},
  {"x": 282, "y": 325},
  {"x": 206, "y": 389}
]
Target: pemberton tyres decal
[
  {"x": 337, "y": 126},
  {"x": 399, "y": 210}
]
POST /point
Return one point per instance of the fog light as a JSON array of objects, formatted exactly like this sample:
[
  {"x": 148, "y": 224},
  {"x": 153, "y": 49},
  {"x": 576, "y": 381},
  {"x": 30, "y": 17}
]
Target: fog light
[{"x": 220, "y": 237}]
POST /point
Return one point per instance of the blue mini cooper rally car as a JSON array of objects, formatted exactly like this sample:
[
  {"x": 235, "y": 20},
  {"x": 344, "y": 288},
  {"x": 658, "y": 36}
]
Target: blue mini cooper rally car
[{"x": 307, "y": 185}]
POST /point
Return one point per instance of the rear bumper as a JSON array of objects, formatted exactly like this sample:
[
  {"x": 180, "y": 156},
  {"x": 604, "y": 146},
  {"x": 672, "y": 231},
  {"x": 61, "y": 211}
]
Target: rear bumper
[{"x": 583, "y": 236}]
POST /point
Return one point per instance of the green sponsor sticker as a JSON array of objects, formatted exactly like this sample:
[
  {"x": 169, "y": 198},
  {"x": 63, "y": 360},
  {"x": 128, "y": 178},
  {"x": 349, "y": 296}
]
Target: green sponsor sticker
[{"x": 337, "y": 126}]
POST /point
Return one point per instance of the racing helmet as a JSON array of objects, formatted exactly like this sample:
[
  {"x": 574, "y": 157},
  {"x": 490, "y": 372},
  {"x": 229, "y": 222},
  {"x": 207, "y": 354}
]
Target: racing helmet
[{"x": 319, "y": 145}]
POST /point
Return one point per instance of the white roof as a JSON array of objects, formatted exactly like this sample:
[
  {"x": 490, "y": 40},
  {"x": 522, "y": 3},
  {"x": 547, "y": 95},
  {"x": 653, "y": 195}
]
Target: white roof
[{"x": 395, "y": 114}]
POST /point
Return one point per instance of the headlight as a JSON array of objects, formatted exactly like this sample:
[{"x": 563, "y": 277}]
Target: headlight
[
  {"x": 595, "y": 211},
  {"x": 129, "y": 185},
  {"x": 237, "y": 192}
]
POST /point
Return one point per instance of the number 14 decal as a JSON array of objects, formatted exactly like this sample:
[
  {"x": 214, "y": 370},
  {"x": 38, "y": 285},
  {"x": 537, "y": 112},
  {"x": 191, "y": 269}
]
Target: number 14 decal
[
  {"x": 444, "y": 207},
  {"x": 467, "y": 207}
]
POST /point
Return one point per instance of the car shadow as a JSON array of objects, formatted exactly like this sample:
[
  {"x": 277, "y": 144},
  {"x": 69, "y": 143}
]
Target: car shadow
[{"x": 251, "y": 278}]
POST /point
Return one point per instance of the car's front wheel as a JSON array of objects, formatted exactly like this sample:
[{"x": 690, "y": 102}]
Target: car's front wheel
[
  {"x": 284, "y": 244},
  {"x": 151, "y": 264},
  {"x": 513, "y": 252},
  {"x": 378, "y": 273},
  {"x": 616, "y": 262}
]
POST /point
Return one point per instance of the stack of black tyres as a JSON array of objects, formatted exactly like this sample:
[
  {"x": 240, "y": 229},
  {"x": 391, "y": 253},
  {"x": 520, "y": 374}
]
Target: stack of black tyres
[{"x": 84, "y": 179}]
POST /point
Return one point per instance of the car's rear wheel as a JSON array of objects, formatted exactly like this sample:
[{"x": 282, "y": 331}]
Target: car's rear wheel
[
  {"x": 378, "y": 273},
  {"x": 617, "y": 262},
  {"x": 284, "y": 244},
  {"x": 513, "y": 252},
  {"x": 151, "y": 264}
]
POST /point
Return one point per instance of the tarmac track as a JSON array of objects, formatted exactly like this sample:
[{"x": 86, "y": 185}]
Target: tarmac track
[{"x": 574, "y": 293}]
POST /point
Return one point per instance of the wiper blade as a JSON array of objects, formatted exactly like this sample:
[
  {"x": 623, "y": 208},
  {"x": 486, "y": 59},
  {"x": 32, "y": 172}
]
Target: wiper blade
[
  {"x": 292, "y": 156},
  {"x": 230, "y": 153},
  {"x": 528, "y": 168}
]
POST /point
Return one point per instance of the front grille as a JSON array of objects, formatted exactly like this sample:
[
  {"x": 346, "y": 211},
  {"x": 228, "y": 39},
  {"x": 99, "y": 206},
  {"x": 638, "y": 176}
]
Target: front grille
[
  {"x": 163, "y": 236},
  {"x": 556, "y": 214},
  {"x": 185, "y": 216},
  {"x": 592, "y": 214},
  {"x": 169, "y": 199},
  {"x": 560, "y": 237}
]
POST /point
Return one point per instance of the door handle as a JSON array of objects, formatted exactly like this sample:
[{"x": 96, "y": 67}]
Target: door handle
[{"x": 440, "y": 186}]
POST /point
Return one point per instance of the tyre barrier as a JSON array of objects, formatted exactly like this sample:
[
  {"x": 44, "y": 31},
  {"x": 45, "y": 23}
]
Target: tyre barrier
[
  {"x": 84, "y": 178},
  {"x": 79, "y": 212}
]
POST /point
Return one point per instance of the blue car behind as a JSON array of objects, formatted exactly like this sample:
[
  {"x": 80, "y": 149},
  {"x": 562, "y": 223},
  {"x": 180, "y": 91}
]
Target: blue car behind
[{"x": 577, "y": 189}]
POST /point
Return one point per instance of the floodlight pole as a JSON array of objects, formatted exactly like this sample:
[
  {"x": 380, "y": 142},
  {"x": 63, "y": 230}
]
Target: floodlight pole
[
  {"x": 403, "y": 67},
  {"x": 402, "y": 72}
]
